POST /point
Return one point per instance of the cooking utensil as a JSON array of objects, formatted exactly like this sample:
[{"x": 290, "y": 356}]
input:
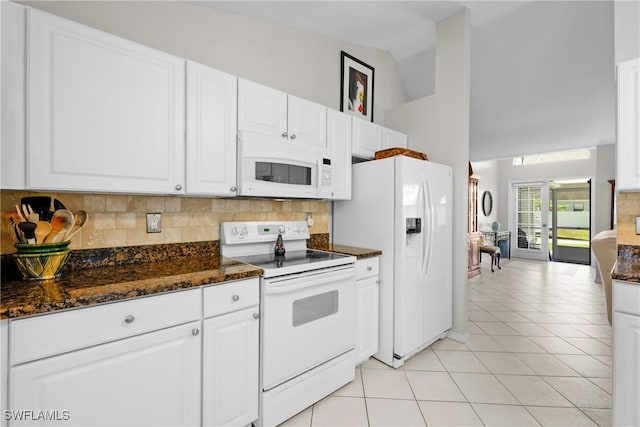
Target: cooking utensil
[
  {"x": 28, "y": 229},
  {"x": 43, "y": 228},
  {"x": 40, "y": 205},
  {"x": 81, "y": 218},
  {"x": 61, "y": 222},
  {"x": 28, "y": 213},
  {"x": 15, "y": 233},
  {"x": 57, "y": 204},
  {"x": 19, "y": 212}
]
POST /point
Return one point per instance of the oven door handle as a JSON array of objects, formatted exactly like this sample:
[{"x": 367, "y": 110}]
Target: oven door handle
[{"x": 306, "y": 283}]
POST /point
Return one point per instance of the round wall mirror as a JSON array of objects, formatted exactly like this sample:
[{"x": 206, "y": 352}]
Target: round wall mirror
[{"x": 487, "y": 203}]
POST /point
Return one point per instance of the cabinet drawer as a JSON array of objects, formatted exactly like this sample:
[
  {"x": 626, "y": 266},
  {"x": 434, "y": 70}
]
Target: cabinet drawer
[
  {"x": 220, "y": 299},
  {"x": 367, "y": 267},
  {"x": 47, "y": 335}
]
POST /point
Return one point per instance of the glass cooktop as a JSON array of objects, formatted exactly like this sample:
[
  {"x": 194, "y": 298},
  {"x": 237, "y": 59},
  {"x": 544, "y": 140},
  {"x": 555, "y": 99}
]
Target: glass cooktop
[{"x": 300, "y": 260}]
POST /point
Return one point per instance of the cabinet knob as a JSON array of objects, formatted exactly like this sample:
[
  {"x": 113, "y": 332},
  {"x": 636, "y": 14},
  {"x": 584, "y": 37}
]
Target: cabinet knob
[
  {"x": 235, "y": 298},
  {"x": 284, "y": 134},
  {"x": 195, "y": 331},
  {"x": 256, "y": 315},
  {"x": 178, "y": 187},
  {"x": 369, "y": 268},
  {"x": 129, "y": 319},
  {"x": 233, "y": 189},
  {"x": 293, "y": 136}
]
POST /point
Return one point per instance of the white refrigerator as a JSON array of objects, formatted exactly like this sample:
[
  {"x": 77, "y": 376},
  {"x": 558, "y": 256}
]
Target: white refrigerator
[{"x": 403, "y": 207}]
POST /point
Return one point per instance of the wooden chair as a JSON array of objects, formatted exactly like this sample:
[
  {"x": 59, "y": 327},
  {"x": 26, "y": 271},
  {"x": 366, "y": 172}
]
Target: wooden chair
[{"x": 493, "y": 251}]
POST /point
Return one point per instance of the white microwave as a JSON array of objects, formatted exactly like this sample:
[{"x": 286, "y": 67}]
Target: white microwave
[{"x": 269, "y": 168}]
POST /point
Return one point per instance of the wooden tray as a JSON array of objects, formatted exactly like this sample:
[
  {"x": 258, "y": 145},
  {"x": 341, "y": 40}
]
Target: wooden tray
[{"x": 399, "y": 151}]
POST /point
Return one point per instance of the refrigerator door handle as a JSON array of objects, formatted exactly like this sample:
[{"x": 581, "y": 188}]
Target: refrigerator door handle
[{"x": 428, "y": 219}]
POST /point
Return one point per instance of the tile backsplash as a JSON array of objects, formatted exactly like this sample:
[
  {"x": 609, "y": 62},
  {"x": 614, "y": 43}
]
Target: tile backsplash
[
  {"x": 628, "y": 207},
  {"x": 120, "y": 220}
]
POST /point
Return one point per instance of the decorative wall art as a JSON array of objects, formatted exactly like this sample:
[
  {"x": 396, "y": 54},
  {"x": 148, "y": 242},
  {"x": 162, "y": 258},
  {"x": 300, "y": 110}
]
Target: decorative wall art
[{"x": 356, "y": 90}]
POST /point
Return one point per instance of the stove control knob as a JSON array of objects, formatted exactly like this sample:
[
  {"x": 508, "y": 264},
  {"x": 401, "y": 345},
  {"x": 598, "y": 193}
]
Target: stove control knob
[
  {"x": 281, "y": 229},
  {"x": 244, "y": 230},
  {"x": 301, "y": 228},
  {"x": 295, "y": 228},
  {"x": 234, "y": 230}
]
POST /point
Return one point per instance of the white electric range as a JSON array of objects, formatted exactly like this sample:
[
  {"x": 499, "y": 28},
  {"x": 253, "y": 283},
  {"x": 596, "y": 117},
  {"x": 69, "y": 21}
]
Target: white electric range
[{"x": 307, "y": 305}]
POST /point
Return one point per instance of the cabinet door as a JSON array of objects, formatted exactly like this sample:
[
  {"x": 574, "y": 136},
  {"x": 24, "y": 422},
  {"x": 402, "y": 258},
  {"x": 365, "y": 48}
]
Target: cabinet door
[
  {"x": 626, "y": 371},
  {"x": 105, "y": 114},
  {"x": 367, "y": 138},
  {"x": 628, "y": 126},
  {"x": 307, "y": 125},
  {"x": 211, "y": 131},
  {"x": 262, "y": 110},
  {"x": 367, "y": 317},
  {"x": 392, "y": 138},
  {"x": 230, "y": 369},
  {"x": 339, "y": 142},
  {"x": 151, "y": 379},
  {"x": 13, "y": 96}
]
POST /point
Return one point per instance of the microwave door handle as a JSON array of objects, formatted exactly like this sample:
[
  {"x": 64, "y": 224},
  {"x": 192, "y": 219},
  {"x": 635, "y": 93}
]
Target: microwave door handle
[{"x": 319, "y": 176}]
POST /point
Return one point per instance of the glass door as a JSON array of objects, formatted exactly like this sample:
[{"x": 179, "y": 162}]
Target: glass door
[
  {"x": 530, "y": 214},
  {"x": 571, "y": 224}
]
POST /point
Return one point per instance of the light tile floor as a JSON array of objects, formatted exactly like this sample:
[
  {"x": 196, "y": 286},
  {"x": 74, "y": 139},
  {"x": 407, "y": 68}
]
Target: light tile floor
[{"x": 539, "y": 353}]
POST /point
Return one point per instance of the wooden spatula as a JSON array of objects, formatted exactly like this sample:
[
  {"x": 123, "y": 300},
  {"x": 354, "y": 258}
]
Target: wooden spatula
[{"x": 61, "y": 222}]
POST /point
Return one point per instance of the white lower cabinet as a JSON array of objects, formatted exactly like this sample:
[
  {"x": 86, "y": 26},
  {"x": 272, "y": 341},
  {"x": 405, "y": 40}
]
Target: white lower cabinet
[
  {"x": 151, "y": 361},
  {"x": 367, "y": 285},
  {"x": 230, "y": 369},
  {"x": 151, "y": 379},
  {"x": 626, "y": 354}
]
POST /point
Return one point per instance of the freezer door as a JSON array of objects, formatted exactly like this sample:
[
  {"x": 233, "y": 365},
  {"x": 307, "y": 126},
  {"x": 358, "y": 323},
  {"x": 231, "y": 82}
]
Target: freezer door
[{"x": 409, "y": 254}]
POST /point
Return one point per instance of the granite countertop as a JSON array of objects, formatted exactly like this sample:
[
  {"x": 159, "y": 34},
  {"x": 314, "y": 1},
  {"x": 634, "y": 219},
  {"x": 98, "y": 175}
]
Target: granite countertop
[
  {"x": 627, "y": 267},
  {"x": 359, "y": 253},
  {"x": 81, "y": 287},
  {"x": 115, "y": 274}
]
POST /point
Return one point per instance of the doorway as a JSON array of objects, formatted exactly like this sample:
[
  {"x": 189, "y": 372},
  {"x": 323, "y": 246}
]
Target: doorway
[
  {"x": 570, "y": 230},
  {"x": 530, "y": 216}
]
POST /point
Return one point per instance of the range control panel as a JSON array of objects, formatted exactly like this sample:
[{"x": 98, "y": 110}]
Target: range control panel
[{"x": 262, "y": 231}]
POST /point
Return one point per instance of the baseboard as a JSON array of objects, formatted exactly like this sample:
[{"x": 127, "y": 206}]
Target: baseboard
[{"x": 463, "y": 338}]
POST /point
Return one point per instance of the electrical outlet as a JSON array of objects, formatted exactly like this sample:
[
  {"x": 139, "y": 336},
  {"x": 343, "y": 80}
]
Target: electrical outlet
[
  {"x": 154, "y": 222},
  {"x": 638, "y": 225}
]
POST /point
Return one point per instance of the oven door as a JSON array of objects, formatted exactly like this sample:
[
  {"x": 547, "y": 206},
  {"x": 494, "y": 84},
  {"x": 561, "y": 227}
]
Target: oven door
[
  {"x": 271, "y": 168},
  {"x": 307, "y": 319}
]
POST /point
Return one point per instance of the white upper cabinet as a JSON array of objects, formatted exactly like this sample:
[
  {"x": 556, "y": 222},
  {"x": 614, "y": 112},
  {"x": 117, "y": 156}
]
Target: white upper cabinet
[
  {"x": 211, "y": 131},
  {"x": 13, "y": 92},
  {"x": 282, "y": 118},
  {"x": 307, "y": 124},
  {"x": 367, "y": 138},
  {"x": 262, "y": 110},
  {"x": 105, "y": 114},
  {"x": 339, "y": 141},
  {"x": 628, "y": 126},
  {"x": 392, "y": 138}
]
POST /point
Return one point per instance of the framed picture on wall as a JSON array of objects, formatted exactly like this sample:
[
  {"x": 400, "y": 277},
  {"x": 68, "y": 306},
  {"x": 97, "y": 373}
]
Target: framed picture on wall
[{"x": 356, "y": 87}]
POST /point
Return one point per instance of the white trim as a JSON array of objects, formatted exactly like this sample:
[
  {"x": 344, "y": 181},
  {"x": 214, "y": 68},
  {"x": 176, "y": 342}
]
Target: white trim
[{"x": 457, "y": 336}]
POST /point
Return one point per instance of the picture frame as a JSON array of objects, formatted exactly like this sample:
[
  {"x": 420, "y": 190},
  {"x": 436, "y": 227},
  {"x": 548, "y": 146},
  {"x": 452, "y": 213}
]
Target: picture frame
[{"x": 356, "y": 87}]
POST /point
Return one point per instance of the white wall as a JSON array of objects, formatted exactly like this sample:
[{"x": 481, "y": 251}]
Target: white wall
[
  {"x": 439, "y": 125},
  {"x": 488, "y": 172},
  {"x": 301, "y": 63},
  {"x": 605, "y": 170},
  {"x": 627, "y": 30}
]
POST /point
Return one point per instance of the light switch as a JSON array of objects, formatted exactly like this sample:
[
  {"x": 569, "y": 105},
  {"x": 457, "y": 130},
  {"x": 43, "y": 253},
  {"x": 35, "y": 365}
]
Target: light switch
[{"x": 638, "y": 225}]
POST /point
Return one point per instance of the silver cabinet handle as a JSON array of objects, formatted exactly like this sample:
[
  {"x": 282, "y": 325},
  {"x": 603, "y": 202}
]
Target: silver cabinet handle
[
  {"x": 284, "y": 134},
  {"x": 195, "y": 331},
  {"x": 235, "y": 298},
  {"x": 256, "y": 315},
  {"x": 369, "y": 268},
  {"x": 178, "y": 187},
  {"x": 129, "y": 319},
  {"x": 233, "y": 189},
  {"x": 293, "y": 136}
]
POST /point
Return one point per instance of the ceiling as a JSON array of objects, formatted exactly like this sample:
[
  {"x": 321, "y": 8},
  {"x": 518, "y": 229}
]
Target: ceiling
[{"x": 541, "y": 71}]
